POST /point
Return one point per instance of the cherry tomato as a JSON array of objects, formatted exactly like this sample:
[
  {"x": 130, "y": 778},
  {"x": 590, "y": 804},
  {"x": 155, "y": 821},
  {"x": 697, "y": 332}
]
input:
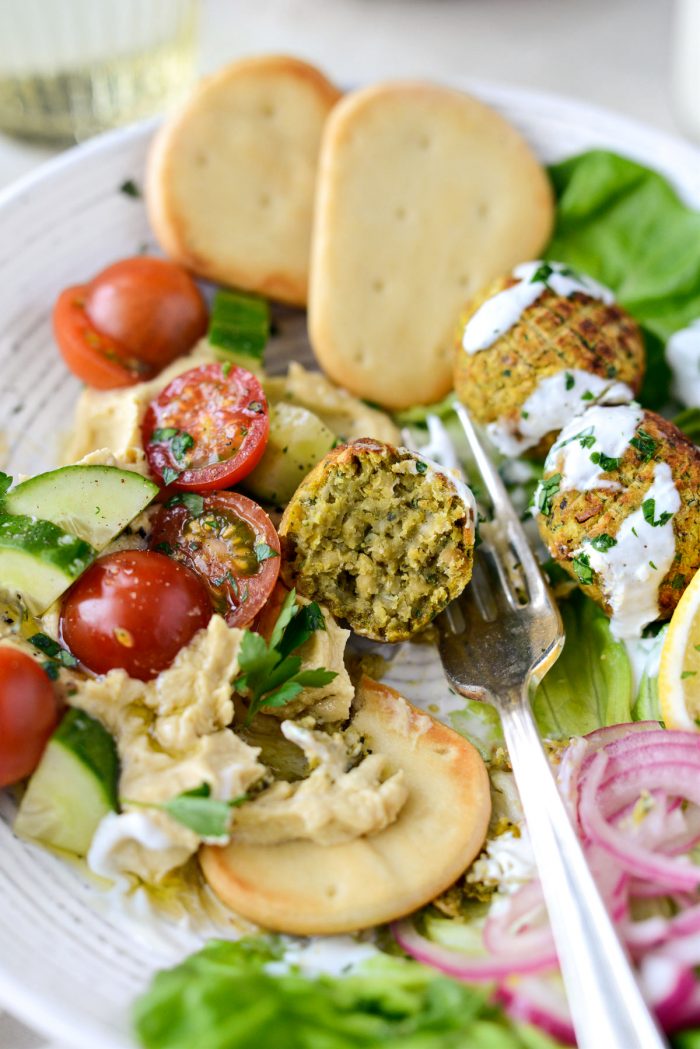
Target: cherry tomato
[
  {"x": 134, "y": 609},
  {"x": 29, "y": 712},
  {"x": 207, "y": 429},
  {"x": 231, "y": 544},
  {"x": 129, "y": 321}
]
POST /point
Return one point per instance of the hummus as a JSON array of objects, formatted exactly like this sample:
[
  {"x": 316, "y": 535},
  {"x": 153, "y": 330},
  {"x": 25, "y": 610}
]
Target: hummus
[{"x": 333, "y": 804}]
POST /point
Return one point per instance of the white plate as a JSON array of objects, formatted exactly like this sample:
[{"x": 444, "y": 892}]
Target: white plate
[{"x": 67, "y": 965}]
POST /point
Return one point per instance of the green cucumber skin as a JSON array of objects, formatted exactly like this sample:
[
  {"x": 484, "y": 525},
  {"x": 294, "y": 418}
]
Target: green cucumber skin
[
  {"x": 46, "y": 542},
  {"x": 92, "y": 502},
  {"x": 94, "y": 747}
]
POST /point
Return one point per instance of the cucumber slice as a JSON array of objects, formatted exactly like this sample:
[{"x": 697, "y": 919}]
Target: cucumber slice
[
  {"x": 73, "y": 787},
  {"x": 39, "y": 560},
  {"x": 239, "y": 328},
  {"x": 94, "y": 503},
  {"x": 298, "y": 440}
]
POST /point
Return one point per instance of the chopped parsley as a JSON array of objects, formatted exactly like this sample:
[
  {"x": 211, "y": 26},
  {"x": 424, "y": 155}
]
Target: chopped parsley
[
  {"x": 263, "y": 552},
  {"x": 170, "y": 475},
  {"x": 583, "y": 570},
  {"x": 606, "y": 462},
  {"x": 688, "y": 673},
  {"x": 653, "y": 566},
  {"x": 542, "y": 274},
  {"x": 603, "y": 542},
  {"x": 569, "y": 381},
  {"x": 678, "y": 582},
  {"x": 645, "y": 445},
  {"x": 179, "y": 441},
  {"x": 130, "y": 189},
  {"x": 649, "y": 512},
  {"x": 198, "y": 811},
  {"x": 58, "y": 656},
  {"x": 193, "y": 502},
  {"x": 271, "y": 673},
  {"x": 5, "y": 482},
  {"x": 546, "y": 491},
  {"x": 587, "y": 396},
  {"x": 421, "y": 467}
]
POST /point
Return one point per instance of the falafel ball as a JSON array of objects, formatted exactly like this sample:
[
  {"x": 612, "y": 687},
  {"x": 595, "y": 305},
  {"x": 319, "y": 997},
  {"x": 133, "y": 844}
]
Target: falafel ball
[
  {"x": 539, "y": 346},
  {"x": 619, "y": 509},
  {"x": 381, "y": 537}
]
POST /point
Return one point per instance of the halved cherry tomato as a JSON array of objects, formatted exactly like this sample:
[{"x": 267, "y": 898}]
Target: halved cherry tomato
[
  {"x": 29, "y": 712},
  {"x": 129, "y": 321},
  {"x": 231, "y": 544},
  {"x": 207, "y": 429},
  {"x": 134, "y": 609}
]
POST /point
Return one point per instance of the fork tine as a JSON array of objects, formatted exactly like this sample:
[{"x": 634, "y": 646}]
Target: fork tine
[{"x": 505, "y": 517}]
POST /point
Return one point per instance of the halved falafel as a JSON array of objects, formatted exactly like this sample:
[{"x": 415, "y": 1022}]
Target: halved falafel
[
  {"x": 380, "y": 537},
  {"x": 619, "y": 509},
  {"x": 539, "y": 346}
]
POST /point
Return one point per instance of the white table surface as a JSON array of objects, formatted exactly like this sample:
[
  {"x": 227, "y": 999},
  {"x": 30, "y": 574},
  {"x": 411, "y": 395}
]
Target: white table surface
[{"x": 616, "y": 53}]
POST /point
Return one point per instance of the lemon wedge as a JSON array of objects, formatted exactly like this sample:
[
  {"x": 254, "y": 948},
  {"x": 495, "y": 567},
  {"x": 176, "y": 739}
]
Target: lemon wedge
[{"x": 679, "y": 670}]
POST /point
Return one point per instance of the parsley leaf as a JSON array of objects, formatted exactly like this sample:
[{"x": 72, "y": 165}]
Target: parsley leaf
[
  {"x": 263, "y": 552},
  {"x": 421, "y": 467},
  {"x": 645, "y": 445},
  {"x": 5, "y": 482},
  {"x": 271, "y": 674},
  {"x": 179, "y": 441},
  {"x": 606, "y": 462},
  {"x": 170, "y": 475},
  {"x": 193, "y": 502},
  {"x": 583, "y": 570},
  {"x": 545, "y": 493},
  {"x": 569, "y": 381},
  {"x": 649, "y": 511},
  {"x": 603, "y": 542},
  {"x": 542, "y": 274},
  {"x": 199, "y": 812},
  {"x": 130, "y": 188},
  {"x": 58, "y": 655}
]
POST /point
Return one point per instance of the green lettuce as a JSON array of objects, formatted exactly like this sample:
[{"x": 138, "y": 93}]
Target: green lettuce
[
  {"x": 625, "y": 225},
  {"x": 223, "y": 997},
  {"x": 591, "y": 684}
]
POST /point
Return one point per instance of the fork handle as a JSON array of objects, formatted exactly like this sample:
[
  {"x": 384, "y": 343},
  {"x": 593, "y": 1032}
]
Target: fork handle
[{"x": 607, "y": 1007}]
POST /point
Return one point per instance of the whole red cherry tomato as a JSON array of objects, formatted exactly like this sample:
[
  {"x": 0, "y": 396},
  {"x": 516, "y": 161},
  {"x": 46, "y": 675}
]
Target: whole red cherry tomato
[
  {"x": 128, "y": 322},
  {"x": 29, "y": 712},
  {"x": 134, "y": 609}
]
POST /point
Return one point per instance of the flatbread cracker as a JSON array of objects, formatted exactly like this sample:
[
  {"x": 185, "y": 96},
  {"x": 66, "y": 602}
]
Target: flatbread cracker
[
  {"x": 424, "y": 195},
  {"x": 307, "y": 889},
  {"x": 230, "y": 179}
]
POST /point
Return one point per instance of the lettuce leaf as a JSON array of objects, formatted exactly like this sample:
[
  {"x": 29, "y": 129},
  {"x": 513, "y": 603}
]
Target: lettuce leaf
[
  {"x": 625, "y": 225},
  {"x": 223, "y": 997},
  {"x": 591, "y": 684}
]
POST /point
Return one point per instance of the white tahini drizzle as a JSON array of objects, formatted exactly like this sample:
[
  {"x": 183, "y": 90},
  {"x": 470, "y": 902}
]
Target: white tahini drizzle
[
  {"x": 551, "y": 404},
  {"x": 501, "y": 312},
  {"x": 683, "y": 356},
  {"x": 601, "y": 430},
  {"x": 630, "y": 571},
  {"x": 115, "y": 829}
]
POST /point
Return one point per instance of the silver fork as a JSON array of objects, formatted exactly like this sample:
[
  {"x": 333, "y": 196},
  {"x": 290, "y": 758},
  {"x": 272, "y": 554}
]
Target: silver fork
[{"x": 496, "y": 642}]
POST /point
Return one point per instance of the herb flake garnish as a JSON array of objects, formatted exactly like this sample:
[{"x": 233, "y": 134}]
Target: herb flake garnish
[
  {"x": 645, "y": 445},
  {"x": 179, "y": 441},
  {"x": 606, "y": 462},
  {"x": 603, "y": 542},
  {"x": 5, "y": 482},
  {"x": 130, "y": 189},
  {"x": 193, "y": 502},
  {"x": 58, "y": 656},
  {"x": 583, "y": 570},
  {"x": 649, "y": 511},
  {"x": 263, "y": 552},
  {"x": 548, "y": 488},
  {"x": 271, "y": 675},
  {"x": 195, "y": 809}
]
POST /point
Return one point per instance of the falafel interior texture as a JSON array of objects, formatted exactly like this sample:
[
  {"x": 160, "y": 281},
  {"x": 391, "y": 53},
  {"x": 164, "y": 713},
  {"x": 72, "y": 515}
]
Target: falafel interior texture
[{"x": 380, "y": 544}]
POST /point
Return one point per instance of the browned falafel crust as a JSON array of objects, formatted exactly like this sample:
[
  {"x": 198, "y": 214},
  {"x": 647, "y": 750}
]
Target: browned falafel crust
[
  {"x": 577, "y": 515},
  {"x": 552, "y": 335}
]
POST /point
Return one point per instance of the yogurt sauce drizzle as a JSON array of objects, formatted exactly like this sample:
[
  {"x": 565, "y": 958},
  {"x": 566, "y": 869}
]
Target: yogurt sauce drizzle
[
  {"x": 501, "y": 312},
  {"x": 602, "y": 431},
  {"x": 683, "y": 356},
  {"x": 552, "y": 403},
  {"x": 631, "y": 571}
]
